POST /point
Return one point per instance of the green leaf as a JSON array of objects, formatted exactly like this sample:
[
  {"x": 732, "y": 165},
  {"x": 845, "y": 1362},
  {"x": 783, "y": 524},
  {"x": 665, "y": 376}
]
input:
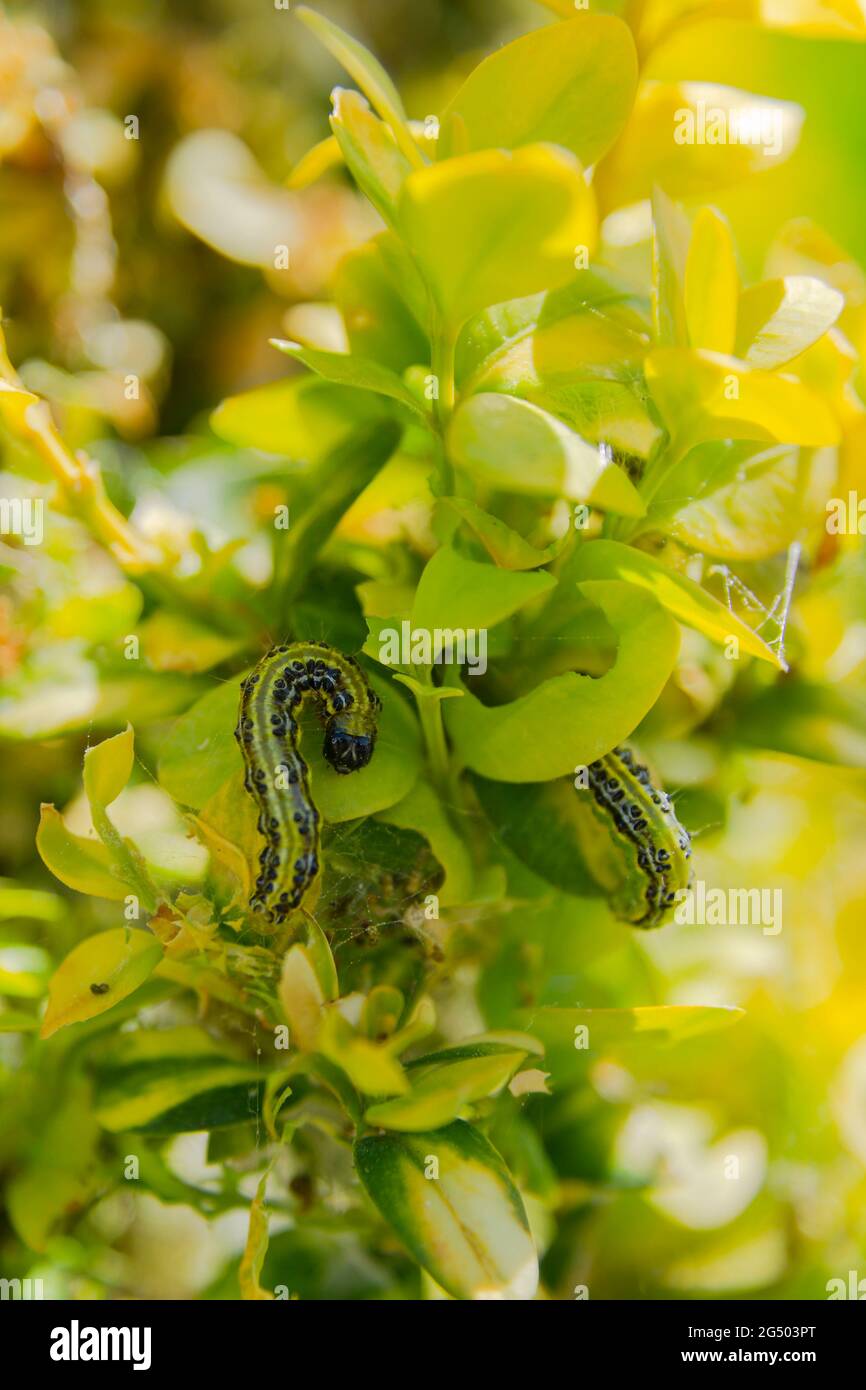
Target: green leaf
[
  {"x": 80, "y": 863},
  {"x": 200, "y": 755},
  {"x": 770, "y": 502},
  {"x": 546, "y": 825},
  {"x": 467, "y": 1226},
  {"x": 680, "y": 595},
  {"x": 368, "y": 147},
  {"x": 172, "y": 1081},
  {"x": 322, "y": 960},
  {"x": 571, "y": 84},
  {"x": 571, "y": 719},
  {"x": 510, "y": 444},
  {"x": 107, "y": 768},
  {"x": 493, "y": 226},
  {"x": 302, "y": 417},
  {"x": 369, "y": 74},
  {"x": 98, "y": 973},
  {"x": 379, "y": 323},
  {"x": 454, "y": 592},
  {"x": 703, "y": 395},
  {"x": 779, "y": 319},
  {"x": 348, "y": 370},
  {"x": 506, "y": 547},
  {"x": 495, "y": 344},
  {"x": 441, "y": 1089}
]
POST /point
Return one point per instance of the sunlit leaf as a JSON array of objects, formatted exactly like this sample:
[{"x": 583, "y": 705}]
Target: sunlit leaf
[
  {"x": 680, "y": 595},
  {"x": 703, "y": 395},
  {"x": 511, "y": 444},
  {"x": 571, "y": 84},
  {"x": 493, "y": 226},
  {"x": 454, "y": 592},
  {"x": 779, "y": 319},
  {"x": 711, "y": 284},
  {"x": 367, "y": 145},
  {"x": 348, "y": 370}
]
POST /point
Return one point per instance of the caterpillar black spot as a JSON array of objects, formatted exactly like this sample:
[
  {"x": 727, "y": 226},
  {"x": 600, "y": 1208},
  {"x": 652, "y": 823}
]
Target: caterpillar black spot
[
  {"x": 276, "y": 775},
  {"x": 653, "y": 846}
]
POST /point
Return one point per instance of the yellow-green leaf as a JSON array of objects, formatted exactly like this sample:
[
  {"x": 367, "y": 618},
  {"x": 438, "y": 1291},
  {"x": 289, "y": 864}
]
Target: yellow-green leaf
[
  {"x": 369, "y": 74},
  {"x": 779, "y": 319},
  {"x": 493, "y": 225},
  {"x": 441, "y": 1089},
  {"x": 367, "y": 145},
  {"x": 711, "y": 284},
  {"x": 680, "y": 595},
  {"x": 571, "y": 84},
  {"x": 256, "y": 1248},
  {"x": 703, "y": 395},
  {"x": 97, "y": 974},
  {"x": 80, "y": 863},
  {"x": 453, "y": 1203},
  {"x": 302, "y": 998},
  {"x": 511, "y": 444}
]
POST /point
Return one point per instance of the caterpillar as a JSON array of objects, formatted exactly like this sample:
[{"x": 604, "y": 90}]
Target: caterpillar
[
  {"x": 654, "y": 848},
  {"x": 276, "y": 775}
]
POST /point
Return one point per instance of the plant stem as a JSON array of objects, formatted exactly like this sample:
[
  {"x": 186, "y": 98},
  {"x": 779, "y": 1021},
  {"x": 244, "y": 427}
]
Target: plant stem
[{"x": 430, "y": 711}]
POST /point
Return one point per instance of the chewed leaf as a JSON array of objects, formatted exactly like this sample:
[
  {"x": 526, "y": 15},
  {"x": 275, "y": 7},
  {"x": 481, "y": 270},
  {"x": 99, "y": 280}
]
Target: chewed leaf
[
  {"x": 453, "y": 1203},
  {"x": 97, "y": 974},
  {"x": 423, "y": 811},
  {"x": 493, "y": 225},
  {"x": 572, "y": 719},
  {"x": 511, "y": 444},
  {"x": 779, "y": 319},
  {"x": 571, "y": 85},
  {"x": 677, "y": 593}
]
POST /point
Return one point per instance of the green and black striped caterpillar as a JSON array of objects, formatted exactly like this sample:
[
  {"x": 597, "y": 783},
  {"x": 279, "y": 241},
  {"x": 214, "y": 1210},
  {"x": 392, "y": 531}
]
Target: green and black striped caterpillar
[
  {"x": 276, "y": 774},
  {"x": 654, "y": 848}
]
